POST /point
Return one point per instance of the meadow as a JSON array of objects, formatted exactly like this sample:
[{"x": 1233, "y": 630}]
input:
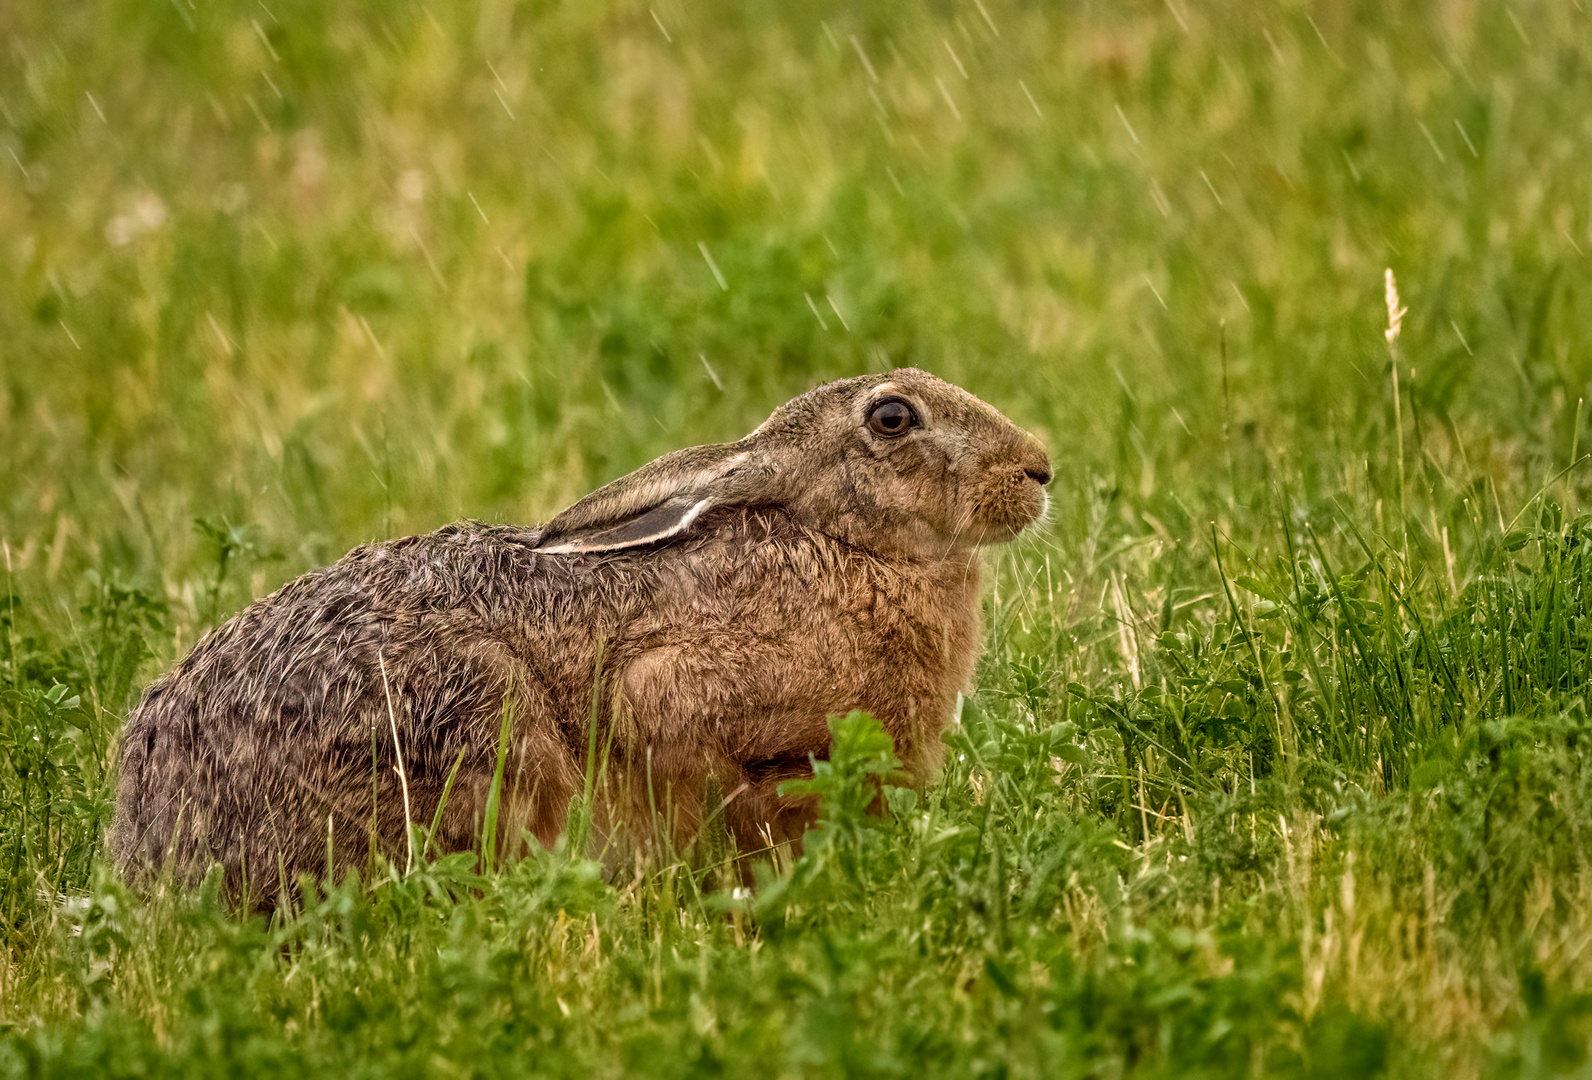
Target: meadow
[{"x": 1277, "y": 760}]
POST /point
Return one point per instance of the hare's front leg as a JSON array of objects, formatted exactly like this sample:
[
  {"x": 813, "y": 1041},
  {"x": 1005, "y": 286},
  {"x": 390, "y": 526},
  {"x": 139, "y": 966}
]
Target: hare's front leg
[
  {"x": 700, "y": 737},
  {"x": 672, "y": 782},
  {"x": 758, "y": 817}
]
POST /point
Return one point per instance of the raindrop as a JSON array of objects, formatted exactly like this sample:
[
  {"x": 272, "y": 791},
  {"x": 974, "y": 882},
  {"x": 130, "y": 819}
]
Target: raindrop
[
  {"x": 1212, "y": 187},
  {"x": 718, "y": 275},
  {"x": 1030, "y": 98},
  {"x": 1441, "y": 157},
  {"x": 993, "y": 28},
  {"x": 711, "y": 373},
  {"x": 661, "y": 28},
  {"x": 946, "y": 94},
  {"x": 1124, "y": 118},
  {"x": 957, "y": 60},
  {"x": 816, "y": 313},
  {"x": 867, "y": 65},
  {"x": 832, "y": 306}
]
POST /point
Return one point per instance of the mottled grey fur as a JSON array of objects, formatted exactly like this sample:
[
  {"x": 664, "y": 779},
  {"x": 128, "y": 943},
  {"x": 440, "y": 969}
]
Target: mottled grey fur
[{"x": 736, "y": 595}]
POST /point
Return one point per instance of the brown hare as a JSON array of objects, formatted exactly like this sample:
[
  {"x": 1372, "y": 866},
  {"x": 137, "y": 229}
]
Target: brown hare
[{"x": 708, "y": 613}]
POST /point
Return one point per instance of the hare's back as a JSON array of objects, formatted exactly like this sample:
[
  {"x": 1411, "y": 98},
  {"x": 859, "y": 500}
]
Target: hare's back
[{"x": 316, "y": 651}]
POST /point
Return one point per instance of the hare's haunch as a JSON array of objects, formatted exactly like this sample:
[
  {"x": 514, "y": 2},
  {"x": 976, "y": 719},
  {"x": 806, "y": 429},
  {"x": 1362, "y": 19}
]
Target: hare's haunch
[{"x": 709, "y": 612}]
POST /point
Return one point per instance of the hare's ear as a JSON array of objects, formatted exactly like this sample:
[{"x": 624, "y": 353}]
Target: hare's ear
[{"x": 657, "y": 502}]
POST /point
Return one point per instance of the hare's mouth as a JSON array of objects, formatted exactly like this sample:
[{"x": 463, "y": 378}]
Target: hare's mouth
[{"x": 1007, "y": 510}]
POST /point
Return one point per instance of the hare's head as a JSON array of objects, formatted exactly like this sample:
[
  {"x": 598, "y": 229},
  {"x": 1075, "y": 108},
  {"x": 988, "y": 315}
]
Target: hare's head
[{"x": 901, "y": 463}]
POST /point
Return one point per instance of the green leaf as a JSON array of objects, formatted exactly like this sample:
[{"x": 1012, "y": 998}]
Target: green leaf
[
  {"x": 1072, "y": 752},
  {"x": 1258, "y": 587}
]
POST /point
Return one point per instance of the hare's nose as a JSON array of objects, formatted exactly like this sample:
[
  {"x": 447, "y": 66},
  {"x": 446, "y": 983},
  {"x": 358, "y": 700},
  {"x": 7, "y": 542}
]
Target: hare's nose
[
  {"x": 1036, "y": 463},
  {"x": 1028, "y": 454}
]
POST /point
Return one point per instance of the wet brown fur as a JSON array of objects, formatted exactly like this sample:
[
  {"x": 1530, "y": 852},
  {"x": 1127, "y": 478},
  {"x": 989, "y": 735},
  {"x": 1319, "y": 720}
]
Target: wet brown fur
[{"x": 824, "y": 569}]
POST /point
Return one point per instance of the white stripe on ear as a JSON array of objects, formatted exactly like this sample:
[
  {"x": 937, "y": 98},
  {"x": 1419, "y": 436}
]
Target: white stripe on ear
[
  {"x": 663, "y": 521},
  {"x": 691, "y": 514}
]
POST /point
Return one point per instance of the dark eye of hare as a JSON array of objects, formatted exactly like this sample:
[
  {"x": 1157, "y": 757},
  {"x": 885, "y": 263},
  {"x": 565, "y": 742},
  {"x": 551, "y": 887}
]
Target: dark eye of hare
[{"x": 891, "y": 417}]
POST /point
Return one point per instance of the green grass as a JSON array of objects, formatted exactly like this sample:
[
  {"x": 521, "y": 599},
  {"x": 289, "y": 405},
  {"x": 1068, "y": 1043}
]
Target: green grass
[{"x": 1277, "y": 764}]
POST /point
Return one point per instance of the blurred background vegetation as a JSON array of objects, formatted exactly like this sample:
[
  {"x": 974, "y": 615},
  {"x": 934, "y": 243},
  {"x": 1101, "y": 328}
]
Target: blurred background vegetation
[{"x": 280, "y": 277}]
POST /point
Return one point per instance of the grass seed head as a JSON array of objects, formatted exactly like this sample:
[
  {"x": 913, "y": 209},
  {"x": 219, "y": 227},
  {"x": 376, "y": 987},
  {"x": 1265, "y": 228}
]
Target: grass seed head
[{"x": 1395, "y": 314}]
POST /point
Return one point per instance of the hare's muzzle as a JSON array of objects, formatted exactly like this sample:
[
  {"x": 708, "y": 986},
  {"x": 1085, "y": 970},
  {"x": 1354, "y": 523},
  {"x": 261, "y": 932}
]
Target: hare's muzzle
[{"x": 1013, "y": 495}]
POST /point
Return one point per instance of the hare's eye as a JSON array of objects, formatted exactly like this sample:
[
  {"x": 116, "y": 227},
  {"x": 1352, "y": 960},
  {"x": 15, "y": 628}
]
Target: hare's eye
[{"x": 890, "y": 418}]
